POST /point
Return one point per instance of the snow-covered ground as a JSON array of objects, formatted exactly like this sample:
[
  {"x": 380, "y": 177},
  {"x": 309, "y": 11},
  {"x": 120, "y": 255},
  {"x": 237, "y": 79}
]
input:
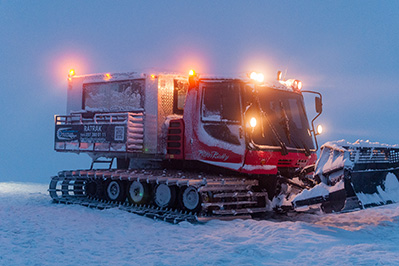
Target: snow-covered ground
[{"x": 33, "y": 231}]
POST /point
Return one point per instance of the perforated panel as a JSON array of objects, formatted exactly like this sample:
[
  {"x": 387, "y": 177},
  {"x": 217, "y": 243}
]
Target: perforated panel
[{"x": 165, "y": 106}]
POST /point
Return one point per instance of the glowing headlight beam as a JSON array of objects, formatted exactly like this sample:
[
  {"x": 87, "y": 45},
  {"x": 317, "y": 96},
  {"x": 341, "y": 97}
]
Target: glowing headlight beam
[
  {"x": 259, "y": 77},
  {"x": 319, "y": 130},
  {"x": 252, "y": 122}
]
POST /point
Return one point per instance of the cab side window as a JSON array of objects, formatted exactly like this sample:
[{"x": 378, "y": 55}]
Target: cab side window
[
  {"x": 220, "y": 110},
  {"x": 221, "y": 103},
  {"x": 179, "y": 96}
]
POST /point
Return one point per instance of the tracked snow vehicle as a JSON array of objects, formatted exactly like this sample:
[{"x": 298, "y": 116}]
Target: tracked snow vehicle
[
  {"x": 179, "y": 147},
  {"x": 211, "y": 146}
]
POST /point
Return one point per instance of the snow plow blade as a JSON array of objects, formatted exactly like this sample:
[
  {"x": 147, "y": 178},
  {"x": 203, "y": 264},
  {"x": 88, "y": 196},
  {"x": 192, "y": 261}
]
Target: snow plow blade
[{"x": 353, "y": 176}]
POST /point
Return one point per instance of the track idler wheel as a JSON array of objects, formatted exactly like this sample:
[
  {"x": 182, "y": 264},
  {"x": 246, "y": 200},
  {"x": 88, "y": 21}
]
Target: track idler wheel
[
  {"x": 165, "y": 196},
  {"x": 191, "y": 199},
  {"x": 53, "y": 189},
  {"x": 138, "y": 193},
  {"x": 115, "y": 191}
]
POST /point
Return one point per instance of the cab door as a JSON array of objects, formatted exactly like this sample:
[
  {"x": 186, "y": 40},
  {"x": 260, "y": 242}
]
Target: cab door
[{"x": 220, "y": 133}]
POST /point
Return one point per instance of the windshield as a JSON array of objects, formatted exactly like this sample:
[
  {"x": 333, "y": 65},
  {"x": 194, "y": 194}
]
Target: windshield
[{"x": 282, "y": 119}]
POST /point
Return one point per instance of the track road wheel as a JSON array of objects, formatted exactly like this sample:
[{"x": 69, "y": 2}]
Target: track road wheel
[
  {"x": 78, "y": 187},
  {"x": 115, "y": 191},
  {"x": 165, "y": 196},
  {"x": 138, "y": 193},
  {"x": 191, "y": 199}
]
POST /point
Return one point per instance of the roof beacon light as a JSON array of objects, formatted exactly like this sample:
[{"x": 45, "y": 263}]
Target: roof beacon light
[
  {"x": 192, "y": 79},
  {"x": 259, "y": 77},
  {"x": 71, "y": 73},
  {"x": 279, "y": 75},
  {"x": 299, "y": 85}
]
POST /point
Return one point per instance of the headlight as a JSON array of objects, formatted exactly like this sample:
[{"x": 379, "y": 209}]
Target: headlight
[
  {"x": 252, "y": 122},
  {"x": 319, "y": 130}
]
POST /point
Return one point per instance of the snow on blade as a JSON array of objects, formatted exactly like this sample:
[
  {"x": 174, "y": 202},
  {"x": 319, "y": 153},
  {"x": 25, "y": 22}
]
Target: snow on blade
[
  {"x": 388, "y": 195},
  {"x": 359, "y": 143},
  {"x": 320, "y": 190},
  {"x": 332, "y": 158}
]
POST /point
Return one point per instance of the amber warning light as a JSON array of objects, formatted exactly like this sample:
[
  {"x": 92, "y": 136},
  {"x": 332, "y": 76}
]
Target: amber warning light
[
  {"x": 192, "y": 79},
  {"x": 71, "y": 73}
]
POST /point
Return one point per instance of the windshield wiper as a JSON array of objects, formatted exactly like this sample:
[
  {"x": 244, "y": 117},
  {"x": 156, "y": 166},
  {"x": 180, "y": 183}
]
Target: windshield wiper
[
  {"x": 284, "y": 150},
  {"x": 285, "y": 121},
  {"x": 307, "y": 150}
]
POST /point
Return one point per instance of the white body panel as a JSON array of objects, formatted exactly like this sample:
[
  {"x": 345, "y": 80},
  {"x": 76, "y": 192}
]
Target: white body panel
[{"x": 96, "y": 93}]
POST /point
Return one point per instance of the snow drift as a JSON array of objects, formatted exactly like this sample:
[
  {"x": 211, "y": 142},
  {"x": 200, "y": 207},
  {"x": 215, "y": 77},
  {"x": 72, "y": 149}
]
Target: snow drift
[{"x": 34, "y": 231}]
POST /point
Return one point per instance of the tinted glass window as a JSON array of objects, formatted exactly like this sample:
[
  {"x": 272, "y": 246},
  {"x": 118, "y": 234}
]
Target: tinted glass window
[
  {"x": 221, "y": 102},
  {"x": 179, "y": 95},
  {"x": 285, "y": 116},
  {"x": 114, "y": 96}
]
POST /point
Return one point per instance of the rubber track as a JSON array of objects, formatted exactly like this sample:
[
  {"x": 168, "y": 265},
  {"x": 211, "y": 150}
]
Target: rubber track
[
  {"x": 167, "y": 215},
  {"x": 73, "y": 181}
]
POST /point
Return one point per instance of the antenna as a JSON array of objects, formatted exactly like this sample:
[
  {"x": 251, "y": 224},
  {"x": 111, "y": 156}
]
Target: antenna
[{"x": 285, "y": 73}]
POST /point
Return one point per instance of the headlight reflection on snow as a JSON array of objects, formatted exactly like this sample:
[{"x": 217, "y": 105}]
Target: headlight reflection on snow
[{"x": 353, "y": 221}]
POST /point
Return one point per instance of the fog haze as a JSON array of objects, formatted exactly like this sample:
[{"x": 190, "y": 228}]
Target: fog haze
[{"x": 347, "y": 50}]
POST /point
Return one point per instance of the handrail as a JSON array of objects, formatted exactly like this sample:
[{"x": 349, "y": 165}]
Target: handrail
[{"x": 97, "y": 118}]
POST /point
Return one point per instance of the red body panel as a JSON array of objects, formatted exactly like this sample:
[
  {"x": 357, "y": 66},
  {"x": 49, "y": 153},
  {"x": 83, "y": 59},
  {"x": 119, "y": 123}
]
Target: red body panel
[
  {"x": 199, "y": 145},
  {"x": 254, "y": 161}
]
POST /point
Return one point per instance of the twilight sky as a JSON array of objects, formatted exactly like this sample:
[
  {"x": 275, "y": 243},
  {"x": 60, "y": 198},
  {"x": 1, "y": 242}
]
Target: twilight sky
[{"x": 347, "y": 50}]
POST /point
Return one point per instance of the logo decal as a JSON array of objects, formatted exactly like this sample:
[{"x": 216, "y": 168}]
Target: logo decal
[
  {"x": 213, "y": 155},
  {"x": 67, "y": 133}
]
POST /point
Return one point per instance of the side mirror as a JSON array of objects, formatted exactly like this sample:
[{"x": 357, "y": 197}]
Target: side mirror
[{"x": 319, "y": 105}]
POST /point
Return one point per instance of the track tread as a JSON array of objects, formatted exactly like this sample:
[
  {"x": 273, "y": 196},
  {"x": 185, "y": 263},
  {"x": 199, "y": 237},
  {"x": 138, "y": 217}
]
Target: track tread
[{"x": 67, "y": 179}]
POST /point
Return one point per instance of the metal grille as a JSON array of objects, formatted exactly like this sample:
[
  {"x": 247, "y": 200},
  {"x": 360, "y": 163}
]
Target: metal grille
[
  {"x": 175, "y": 139},
  {"x": 166, "y": 87},
  {"x": 373, "y": 155},
  {"x": 135, "y": 132},
  {"x": 165, "y": 107},
  {"x": 394, "y": 156}
]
